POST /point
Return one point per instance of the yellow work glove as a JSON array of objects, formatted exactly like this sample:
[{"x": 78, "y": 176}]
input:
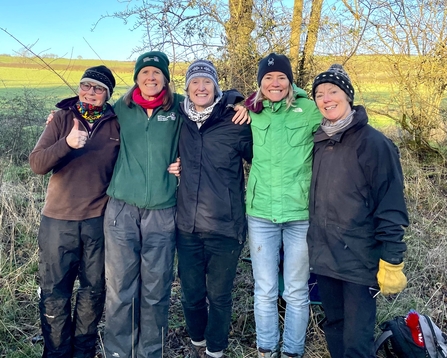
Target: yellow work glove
[{"x": 390, "y": 277}]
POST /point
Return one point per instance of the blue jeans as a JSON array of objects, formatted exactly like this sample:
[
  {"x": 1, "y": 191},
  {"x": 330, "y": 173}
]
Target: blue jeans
[
  {"x": 265, "y": 240},
  {"x": 207, "y": 267}
]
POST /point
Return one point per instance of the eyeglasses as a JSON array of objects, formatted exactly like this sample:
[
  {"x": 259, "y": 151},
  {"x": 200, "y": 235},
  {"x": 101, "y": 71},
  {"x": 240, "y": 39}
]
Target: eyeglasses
[{"x": 86, "y": 87}]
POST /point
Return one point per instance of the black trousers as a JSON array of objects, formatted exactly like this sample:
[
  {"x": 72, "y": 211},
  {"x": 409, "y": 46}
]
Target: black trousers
[
  {"x": 70, "y": 250},
  {"x": 207, "y": 268},
  {"x": 350, "y": 310}
]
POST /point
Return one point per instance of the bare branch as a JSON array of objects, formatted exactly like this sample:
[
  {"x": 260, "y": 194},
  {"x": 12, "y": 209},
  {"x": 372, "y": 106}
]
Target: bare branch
[{"x": 46, "y": 64}]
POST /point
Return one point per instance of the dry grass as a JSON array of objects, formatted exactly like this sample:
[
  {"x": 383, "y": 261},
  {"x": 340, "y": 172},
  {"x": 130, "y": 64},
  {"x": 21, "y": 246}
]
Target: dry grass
[{"x": 21, "y": 198}]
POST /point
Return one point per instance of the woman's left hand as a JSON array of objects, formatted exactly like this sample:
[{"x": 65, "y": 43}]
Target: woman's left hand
[
  {"x": 175, "y": 168},
  {"x": 241, "y": 116}
]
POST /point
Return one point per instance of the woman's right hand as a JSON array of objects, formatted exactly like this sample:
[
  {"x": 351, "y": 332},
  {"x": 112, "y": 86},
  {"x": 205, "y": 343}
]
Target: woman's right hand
[
  {"x": 175, "y": 168},
  {"x": 76, "y": 139},
  {"x": 50, "y": 117}
]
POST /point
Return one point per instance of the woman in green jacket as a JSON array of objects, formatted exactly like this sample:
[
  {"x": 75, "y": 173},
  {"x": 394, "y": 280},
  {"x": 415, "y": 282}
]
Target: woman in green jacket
[{"x": 283, "y": 123}]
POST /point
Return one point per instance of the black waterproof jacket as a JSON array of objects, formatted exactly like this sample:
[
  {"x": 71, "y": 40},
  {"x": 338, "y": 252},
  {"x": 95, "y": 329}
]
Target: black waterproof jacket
[
  {"x": 357, "y": 207},
  {"x": 211, "y": 190}
]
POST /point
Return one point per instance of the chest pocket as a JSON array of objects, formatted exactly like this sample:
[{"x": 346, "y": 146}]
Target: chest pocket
[
  {"x": 259, "y": 130},
  {"x": 298, "y": 133}
]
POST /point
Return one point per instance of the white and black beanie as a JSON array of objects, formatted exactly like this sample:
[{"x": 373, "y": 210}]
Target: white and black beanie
[
  {"x": 337, "y": 76},
  {"x": 102, "y": 76},
  {"x": 275, "y": 63},
  {"x": 202, "y": 68}
]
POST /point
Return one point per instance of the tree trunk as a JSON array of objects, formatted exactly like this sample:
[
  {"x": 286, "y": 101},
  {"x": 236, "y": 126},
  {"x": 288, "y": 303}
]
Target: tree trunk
[
  {"x": 295, "y": 36},
  {"x": 240, "y": 46},
  {"x": 305, "y": 68}
]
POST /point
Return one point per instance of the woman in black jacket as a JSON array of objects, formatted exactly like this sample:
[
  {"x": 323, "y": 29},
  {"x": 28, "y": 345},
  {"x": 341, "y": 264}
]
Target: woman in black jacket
[
  {"x": 357, "y": 213},
  {"x": 210, "y": 207}
]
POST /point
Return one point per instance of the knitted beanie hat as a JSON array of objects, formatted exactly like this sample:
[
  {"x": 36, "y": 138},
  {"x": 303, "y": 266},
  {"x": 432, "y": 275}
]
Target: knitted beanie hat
[
  {"x": 102, "y": 76},
  {"x": 202, "y": 68},
  {"x": 275, "y": 63},
  {"x": 155, "y": 59},
  {"x": 337, "y": 76}
]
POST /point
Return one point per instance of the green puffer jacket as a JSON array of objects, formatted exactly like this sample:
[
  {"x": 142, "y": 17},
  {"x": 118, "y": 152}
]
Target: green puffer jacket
[
  {"x": 279, "y": 181},
  {"x": 148, "y": 146}
]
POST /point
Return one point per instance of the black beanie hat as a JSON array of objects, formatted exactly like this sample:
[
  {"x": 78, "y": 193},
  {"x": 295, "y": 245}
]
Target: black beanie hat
[
  {"x": 273, "y": 63},
  {"x": 337, "y": 76},
  {"x": 155, "y": 59},
  {"x": 102, "y": 76}
]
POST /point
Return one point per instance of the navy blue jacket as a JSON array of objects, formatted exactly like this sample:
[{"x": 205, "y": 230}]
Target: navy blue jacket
[
  {"x": 211, "y": 190},
  {"x": 357, "y": 207}
]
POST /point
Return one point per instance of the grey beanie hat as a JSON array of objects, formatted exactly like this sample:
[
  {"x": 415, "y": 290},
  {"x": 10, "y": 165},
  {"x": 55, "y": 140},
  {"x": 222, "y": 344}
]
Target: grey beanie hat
[
  {"x": 337, "y": 76},
  {"x": 202, "y": 68}
]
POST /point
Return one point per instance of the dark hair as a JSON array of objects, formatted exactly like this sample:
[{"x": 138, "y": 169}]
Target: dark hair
[{"x": 168, "y": 99}]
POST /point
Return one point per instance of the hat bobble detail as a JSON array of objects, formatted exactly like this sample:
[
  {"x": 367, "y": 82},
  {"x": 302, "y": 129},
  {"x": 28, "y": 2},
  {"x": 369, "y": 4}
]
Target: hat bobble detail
[{"x": 337, "y": 76}]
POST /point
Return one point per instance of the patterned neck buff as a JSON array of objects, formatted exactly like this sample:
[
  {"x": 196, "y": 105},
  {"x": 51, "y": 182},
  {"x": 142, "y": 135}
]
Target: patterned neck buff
[
  {"x": 90, "y": 112},
  {"x": 199, "y": 117}
]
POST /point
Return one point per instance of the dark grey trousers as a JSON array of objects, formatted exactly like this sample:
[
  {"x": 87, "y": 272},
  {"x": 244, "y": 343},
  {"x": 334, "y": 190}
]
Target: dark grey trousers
[
  {"x": 70, "y": 249},
  {"x": 140, "y": 246}
]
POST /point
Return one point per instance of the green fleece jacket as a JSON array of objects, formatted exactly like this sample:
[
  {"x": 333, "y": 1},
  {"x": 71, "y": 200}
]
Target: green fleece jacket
[
  {"x": 148, "y": 146},
  {"x": 279, "y": 180}
]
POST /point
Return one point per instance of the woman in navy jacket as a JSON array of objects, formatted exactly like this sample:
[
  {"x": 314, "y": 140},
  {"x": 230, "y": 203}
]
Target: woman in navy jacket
[
  {"x": 210, "y": 207},
  {"x": 357, "y": 214}
]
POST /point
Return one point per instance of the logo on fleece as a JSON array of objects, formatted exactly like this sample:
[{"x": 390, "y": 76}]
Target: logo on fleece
[{"x": 170, "y": 116}]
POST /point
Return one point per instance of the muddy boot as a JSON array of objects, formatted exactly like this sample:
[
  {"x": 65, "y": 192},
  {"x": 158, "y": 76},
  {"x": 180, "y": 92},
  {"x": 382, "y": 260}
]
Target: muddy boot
[
  {"x": 196, "y": 351},
  {"x": 269, "y": 354}
]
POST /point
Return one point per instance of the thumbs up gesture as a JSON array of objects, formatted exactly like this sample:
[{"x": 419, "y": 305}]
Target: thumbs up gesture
[{"x": 76, "y": 139}]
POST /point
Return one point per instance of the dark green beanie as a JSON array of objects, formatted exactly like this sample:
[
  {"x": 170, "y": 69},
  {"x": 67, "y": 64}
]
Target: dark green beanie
[{"x": 155, "y": 59}]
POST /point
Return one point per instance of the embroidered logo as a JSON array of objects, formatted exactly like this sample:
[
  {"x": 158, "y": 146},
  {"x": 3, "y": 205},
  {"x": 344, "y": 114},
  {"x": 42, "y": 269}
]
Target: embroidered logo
[
  {"x": 170, "y": 116},
  {"x": 298, "y": 109},
  {"x": 270, "y": 61},
  {"x": 155, "y": 58}
]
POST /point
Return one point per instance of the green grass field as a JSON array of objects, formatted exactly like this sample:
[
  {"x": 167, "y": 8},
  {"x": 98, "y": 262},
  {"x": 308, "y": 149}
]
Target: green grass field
[
  {"x": 17, "y": 73},
  {"x": 25, "y": 73}
]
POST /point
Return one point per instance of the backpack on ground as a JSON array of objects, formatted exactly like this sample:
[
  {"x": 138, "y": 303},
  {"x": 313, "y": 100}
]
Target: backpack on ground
[{"x": 413, "y": 336}]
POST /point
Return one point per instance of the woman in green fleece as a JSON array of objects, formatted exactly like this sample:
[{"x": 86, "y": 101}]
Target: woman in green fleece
[{"x": 139, "y": 221}]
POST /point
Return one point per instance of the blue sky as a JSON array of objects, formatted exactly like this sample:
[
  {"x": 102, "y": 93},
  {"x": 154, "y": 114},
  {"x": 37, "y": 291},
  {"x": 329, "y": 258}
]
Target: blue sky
[{"x": 59, "y": 27}]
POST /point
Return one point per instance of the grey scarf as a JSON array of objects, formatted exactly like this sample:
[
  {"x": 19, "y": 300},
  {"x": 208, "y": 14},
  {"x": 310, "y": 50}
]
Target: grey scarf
[{"x": 330, "y": 128}]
